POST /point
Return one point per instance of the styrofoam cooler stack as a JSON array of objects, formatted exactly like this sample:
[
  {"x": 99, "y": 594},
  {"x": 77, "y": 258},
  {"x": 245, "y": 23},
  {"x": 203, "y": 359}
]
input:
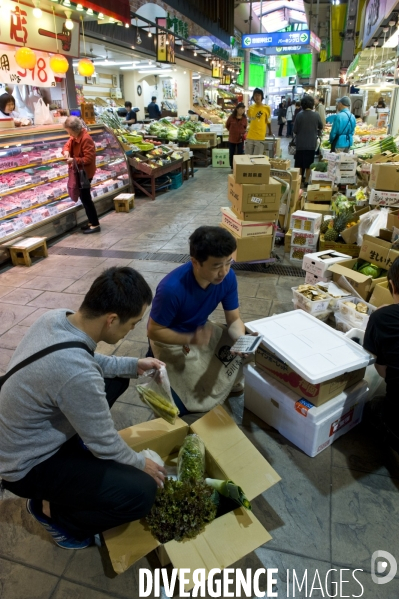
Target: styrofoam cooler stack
[{"x": 310, "y": 428}]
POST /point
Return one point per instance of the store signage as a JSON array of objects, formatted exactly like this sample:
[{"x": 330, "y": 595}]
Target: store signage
[
  {"x": 220, "y": 52},
  {"x": 216, "y": 72},
  {"x": 277, "y": 51},
  {"x": 291, "y": 80},
  {"x": 180, "y": 28},
  {"x": 19, "y": 27},
  {"x": 40, "y": 76},
  {"x": 315, "y": 42},
  {"x": 226, "y": 80},
  {"x": 165, "y": 42},
  {"x": 278, "y": 39}
]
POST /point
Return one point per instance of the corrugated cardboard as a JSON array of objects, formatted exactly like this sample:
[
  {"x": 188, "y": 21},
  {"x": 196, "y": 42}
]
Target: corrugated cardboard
[
  {"x": 319, "y": 262},
  {"x": 384, "y": 157},
  {"x": 205, "y": 136},
  {"x": 362, "y": 284},
  {"x": 320, "y": 208},
  {"x": 350, "y": 235},
  {"x": 319, "y": 192},
  {"x": 251, "y": 249},
  {"x": 258, "y": 216},
  {"x": 251, "y": 169},
  {"x": 254, "y": 198},
  {"x": 229, "y": 455},
  {"x": 384, "y": 198},
  {"x": 305, "y": 221},
  {"x": 287, "y": 241},
  {"x": 381, "y": 295},
  {"x": 385, "y": 177},
  {"x": 316, "y": 176},
  {"x": 280, "y": 164},
  {"x": 285, "y": 174},
  {"x": 378, "y": 251},
  {"x": 244, "y": 228},
  {"x": 305, "y": 238},
  {"x": 393, "y": 219},
  {"x": 350, "y": 249},
  {"x": 314, "y": 279},
  {"x": 298, "y": 252},
  {"x": 317, "y": 394}
]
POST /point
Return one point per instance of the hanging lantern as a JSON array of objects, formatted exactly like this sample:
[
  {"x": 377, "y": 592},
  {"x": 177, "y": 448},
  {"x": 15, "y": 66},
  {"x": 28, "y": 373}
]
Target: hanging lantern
[
  {"x": 25, "y": 58},
  {"x": 58, "y": 63},
  {"x": 85, "y": 67}
]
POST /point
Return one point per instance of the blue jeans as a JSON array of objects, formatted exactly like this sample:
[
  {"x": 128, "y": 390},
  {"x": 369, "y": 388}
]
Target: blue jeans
[{"x": 290, "y": 126}]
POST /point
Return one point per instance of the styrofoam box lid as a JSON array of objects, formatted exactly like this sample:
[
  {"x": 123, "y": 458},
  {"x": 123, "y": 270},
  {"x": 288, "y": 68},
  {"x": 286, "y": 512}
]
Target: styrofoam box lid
[
  {"x": 311, "y": 348},
  {"x": 267, "y": 385}
]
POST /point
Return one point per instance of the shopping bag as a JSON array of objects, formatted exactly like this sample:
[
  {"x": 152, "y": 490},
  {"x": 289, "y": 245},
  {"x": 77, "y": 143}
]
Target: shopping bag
[
  {"x": 73, "y": 182},
  {"x": 84, "y": 182},
  {"x": 43, "y": 115},
  {"x": 292, "y": 147},
  {"x": 157, "y": 394}
]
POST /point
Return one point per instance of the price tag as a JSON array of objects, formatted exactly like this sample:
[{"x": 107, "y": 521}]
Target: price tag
[
  {"x": 25, "y": 204},
  {"x": 53, "y": 210},
  {"x": 120, "y": 184},
  {"x": 36, "y": 179},
  {"x": 2, "y": 212},
  {"x": 94, "y": 193},
  {"x": 36, "y": 216},
  {"x": 18, "y": 224},
  {"x": 256, "y": 200},
  {"x": 105, "y": 190},
  {"x": 40, "y": 197}
]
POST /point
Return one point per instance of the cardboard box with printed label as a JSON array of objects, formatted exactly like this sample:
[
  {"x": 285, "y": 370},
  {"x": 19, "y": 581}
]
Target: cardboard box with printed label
[
  {"x": 229, "y": 455},
  {"x": 297, "y": 253},
  {"x": 305, "y": 238},
  {"x": 378, "y": 251},
  {"x": 310, "y": 428},
  {"x": 319, "y": 262},
  {"x": 211, "y": 137},
  {"x": 305, "y": 221},
  {"x": 258, "y": 216},
  {"x": 350, "y": 249},
  {"x": 291, "y": 174},
  {"x": 384, "y": 177},
  {"x": 319, "y": 192},
  {"x": 244, "y": 228},
  {"x": 253, "y": 170},
  {"x": 317, "y": 394},
  {"x": 350, "y": 235},
  {"x": 318, "y": 176},
  {"x": 381, "y": 295},
  {"x": 319, "y": 208},
  {"x": 314, "y": 279},
  {"x": 344, "y": 275},
  {"x": 254, "y": 198},
  {"x": 393, "y": 219},
  {"x": 252, "y": 248},
  {"x": 384, "y": 198}
]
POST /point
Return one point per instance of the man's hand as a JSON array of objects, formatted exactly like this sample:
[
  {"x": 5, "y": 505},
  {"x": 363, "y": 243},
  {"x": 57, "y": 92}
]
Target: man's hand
[
  {"x": 148, "y": 364},
  {"x": 202, "y": 335},
  {"x": 157, "y": 472}
]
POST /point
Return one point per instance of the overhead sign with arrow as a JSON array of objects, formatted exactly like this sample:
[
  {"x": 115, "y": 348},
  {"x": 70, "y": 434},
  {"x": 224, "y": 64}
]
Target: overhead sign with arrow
[{"x": 281, "y": 39}]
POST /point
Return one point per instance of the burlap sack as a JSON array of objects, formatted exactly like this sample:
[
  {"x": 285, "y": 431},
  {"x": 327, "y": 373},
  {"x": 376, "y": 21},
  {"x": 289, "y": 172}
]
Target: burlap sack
[{"x": 204, "y": 377}]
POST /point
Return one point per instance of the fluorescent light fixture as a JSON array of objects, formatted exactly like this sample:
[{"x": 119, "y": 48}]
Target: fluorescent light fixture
[
  {"x": 166, "y": 76},
  {"x": 157, "y": 72},
  {"x": 393, "y": 41}
]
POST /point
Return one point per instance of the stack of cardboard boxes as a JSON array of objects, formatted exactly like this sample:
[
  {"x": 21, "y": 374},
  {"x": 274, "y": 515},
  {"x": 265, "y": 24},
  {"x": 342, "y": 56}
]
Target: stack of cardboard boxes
[
  {"x": 384, "y": 184},
  {"x": 342, "y": 168},
  {"x": 255, "y": 201},
  {"x": 305, "y": 231}
]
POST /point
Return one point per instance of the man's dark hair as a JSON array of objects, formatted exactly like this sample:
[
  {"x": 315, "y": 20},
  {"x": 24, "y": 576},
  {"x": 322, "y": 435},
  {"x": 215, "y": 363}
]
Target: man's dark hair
[
  {"x": 128, "y": 104},
  {"x": 307, "y": 102},
  {"x": 153, "y": 98},
  {"x": 4, "y": 100},
  {"x": 321, "y": 100},
  {"x": 393, "y": 276},
  {"x": 118, "y": 289},
  {"x": 257, "y": 90},
  {"x": 211, "y": 241}
]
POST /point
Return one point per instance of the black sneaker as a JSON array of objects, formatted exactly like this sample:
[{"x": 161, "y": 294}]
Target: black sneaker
[
  {"x": 85, "y": 227},
  {"x": 91, "y": 229}
]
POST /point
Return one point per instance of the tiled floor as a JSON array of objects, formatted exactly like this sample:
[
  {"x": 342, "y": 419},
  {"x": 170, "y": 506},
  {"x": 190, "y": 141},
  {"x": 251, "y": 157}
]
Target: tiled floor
[{"x": 332, "y": 511}]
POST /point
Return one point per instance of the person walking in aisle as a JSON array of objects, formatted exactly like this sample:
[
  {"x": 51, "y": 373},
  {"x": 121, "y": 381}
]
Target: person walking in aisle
[
  {"x": 341, "y": 134},
  {"x": 297, "y": 110},
  {"x": 307, "y": 128},
  {"x": 80, "y": 147},
  {"x": 281, "y": 118},
  {"x": 259, "y": 116},
  {"x": 236, "y": 125},
  {"x": 153, "y": 109},
  {"x": 290, "y": 118},
  {"x": 320, "y": 108}
]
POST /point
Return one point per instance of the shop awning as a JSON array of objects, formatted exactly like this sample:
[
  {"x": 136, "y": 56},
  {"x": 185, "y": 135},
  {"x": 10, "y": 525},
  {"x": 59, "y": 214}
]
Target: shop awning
[{"x": 117, "y": 9}]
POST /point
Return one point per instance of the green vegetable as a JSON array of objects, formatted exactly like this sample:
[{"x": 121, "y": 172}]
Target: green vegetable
[
  {"x": 181, "y": 510},
  {"x": 319, "y": 166},
  {"x": 377, "y": 147},
  {"x": 161, "y": 406},
  {"x": 229, "y": 489},
  {"x": 191, "y": 459},
  {"x": 370, "y": 270}
]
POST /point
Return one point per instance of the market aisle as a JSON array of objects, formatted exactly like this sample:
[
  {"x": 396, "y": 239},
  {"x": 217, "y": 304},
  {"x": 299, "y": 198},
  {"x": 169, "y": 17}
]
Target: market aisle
[{"x": 324, "y": 509}]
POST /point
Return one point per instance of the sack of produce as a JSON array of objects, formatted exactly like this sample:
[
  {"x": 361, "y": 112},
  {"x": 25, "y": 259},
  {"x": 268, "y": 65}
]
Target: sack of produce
[{"x": 157, "y": 395}]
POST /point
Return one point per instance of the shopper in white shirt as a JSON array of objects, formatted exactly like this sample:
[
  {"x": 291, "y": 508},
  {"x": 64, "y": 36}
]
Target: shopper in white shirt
[{"x": 290, "y": 118}]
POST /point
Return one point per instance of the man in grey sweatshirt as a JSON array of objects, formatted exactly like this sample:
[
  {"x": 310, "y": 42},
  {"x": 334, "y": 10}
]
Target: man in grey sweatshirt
[{"x": 58, "y": 444}]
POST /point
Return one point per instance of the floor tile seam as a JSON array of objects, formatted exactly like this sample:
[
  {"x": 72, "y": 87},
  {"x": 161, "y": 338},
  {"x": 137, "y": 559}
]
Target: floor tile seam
[
  {"x": 55, "y": 588},
  {"x": 390, "y": 476},
  {"x": 294, "y": 554},
  {"x": 14, "y": 560}
]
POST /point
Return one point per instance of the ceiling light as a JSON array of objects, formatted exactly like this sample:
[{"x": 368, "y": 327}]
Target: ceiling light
[
  {"x": 127, "y": 25},
  {"x": 66, "y": 3},
  {"x": 100, "y": 16},
  {"x": 149, "y": 34},
  {"x": 68, "y": 22},
  {"x": 111, "y": 19},
  {"x": 157, "y": 72},
  {"x": 89, "y": 11},
  {"x": 182, "y": 48},
  {"x": 184, "y": 72},
  {"x": 37, "y": 13},
  {"x": 207, "y": 59},
  {"x": 79, "y": 8},
  {"x": 195, "y": 54}
]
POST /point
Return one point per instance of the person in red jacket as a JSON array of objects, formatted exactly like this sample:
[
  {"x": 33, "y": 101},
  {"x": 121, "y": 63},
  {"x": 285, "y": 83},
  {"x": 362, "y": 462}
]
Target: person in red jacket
[
  {"x": 237, "y": 126},
  {"x": 80, "y": 146}
]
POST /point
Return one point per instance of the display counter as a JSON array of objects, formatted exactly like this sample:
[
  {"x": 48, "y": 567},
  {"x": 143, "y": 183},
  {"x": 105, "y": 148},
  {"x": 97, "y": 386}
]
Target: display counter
[{"x": 33, "y": 180}]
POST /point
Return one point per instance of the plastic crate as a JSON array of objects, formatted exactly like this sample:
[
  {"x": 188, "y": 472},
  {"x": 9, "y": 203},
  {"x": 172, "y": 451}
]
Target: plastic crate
[
  {"x": 323, "y": 316},
  {"x": 220, "y": 158},
  {"x": 341, "y": 324},
  {"x": 355, "y": 318},
  {"x": 312, "y": 307},
  {"x": 177, "y": 180}
]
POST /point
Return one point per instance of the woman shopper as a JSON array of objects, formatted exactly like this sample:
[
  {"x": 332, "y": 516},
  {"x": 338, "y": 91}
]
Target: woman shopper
[
  {"x": 290, "y": 118},
  {"x": 307, "y": 128},
  {"x": 236, "y": 125},
  {"x": 80, "y": 147},
  {"x": 282, "y": 111}
]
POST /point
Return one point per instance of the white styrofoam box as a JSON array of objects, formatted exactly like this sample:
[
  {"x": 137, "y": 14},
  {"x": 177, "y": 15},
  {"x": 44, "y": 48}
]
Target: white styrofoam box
[
  {"x": 306, "y": 221},
  {"x": 324, "y": 316},
  {"x": 344, "y": 180},
  {"x": 341, "y": 324},
  {"x": 313, "y": 279},
  {"x": 310, "y": 347},
  {"x": 310, "y": 306},
  {"x": 244, "y": 228},
  {"x": 310, "y": 428},
  {"x": 304, "y": 238},
  {"x": 297, "y": 253},
  {"x": 384, "y": 198},
  {"x": 316, "y": 176},
  {"x": 357, "y": 319},
  {"x": 341, "y": 157},
  {"x": 318, "y": 263}
]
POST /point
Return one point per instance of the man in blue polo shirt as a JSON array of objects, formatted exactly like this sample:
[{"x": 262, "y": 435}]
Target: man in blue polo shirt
[{"x": 201, "y": 368}]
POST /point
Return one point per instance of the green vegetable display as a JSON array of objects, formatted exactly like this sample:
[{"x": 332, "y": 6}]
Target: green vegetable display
[{"x": 191, "y": 459}]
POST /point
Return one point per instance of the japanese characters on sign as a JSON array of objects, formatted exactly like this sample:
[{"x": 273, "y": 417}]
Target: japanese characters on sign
[
  {"x": 165, "y": 43},
  {"x": 40, "y": 76}
]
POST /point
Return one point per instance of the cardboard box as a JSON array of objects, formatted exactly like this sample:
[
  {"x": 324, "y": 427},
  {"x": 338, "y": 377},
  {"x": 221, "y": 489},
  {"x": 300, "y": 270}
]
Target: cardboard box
[
  {"x": 381, "y": 295},
  {"x": 305, "y": 238},
  {"x": 254, "y": 198},
  {"x": 319, "y": 262},
  {"x": 385, "y": 177},
  {"x": 393, "y": 219},
  {"x": 287, "y": 241},
  {"x": 350, "y": 249},
  {"x": 384, "y": 198},
  {"x": 305, "y": 221},
  {"x": 291, "y": 174},
  {"x": 314, "y": 279},
  {"x": 259, "y": 216},
  {"x": 251, "y": 169},
  {"x": 378, "y": 251},
  {"x": 310, "y": 428},
  {"x": 229, "y": 455},
  {"x": 350, "y": 235},
  {"x": 298, "y": 252},
  {"x": 244, "y": 228},
  {"x": 384, "y": 157},
  {"x": 319, "y": 193},
  {"x": 280, "y": 164},
  {"x": 317, "y": 394},
  {"x": 319, "y": 208},
  {"x": 362, "y": 284},
  {"x": 317, "y": 176},
  {"x": 250, "y": 249},
  {"x": 211, "y": 137},
  {"x": 341, "y": 157}
]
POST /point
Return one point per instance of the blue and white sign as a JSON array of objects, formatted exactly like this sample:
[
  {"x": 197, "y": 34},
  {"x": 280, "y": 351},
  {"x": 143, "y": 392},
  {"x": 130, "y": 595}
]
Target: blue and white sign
[
  {"x": 284, "y": 50},
  {"x": 278, "y": 39}
]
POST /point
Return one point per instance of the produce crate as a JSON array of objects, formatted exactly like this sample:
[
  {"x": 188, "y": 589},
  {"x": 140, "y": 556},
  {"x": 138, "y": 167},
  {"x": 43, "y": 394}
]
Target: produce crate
[
  {"x": 341, "y": 324},
  {"x": 323, "y": 316},
  {"x": 357, "y": 319},
  {"x": 220, "y": 158},
  {"x": 312, "y": 307},
  {"x": 177, "y": 180}
]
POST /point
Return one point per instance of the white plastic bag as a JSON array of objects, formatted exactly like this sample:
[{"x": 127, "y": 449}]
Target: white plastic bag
[
  {"x": 371, "y": 223},
  {"x": 157, "y": 394},
  {"x": 152, "y": 455},
  {"x": 43, "y": 115}
]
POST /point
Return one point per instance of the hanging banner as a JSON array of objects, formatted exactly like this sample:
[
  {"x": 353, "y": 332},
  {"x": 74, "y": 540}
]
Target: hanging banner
[
  {"x": 165, "y": 43},
  {"x": 19, "y": 27},
  {"x": 216, "y": 72},
  {"x": 40, "y": 76},
  {"x": 226, "y": 79}
]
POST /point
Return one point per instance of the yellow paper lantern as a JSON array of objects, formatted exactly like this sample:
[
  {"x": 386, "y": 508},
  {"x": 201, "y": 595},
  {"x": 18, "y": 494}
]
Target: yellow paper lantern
[
  {"x": 25, "y": 58},
  {"x": 59, "y": 64},
  {"x": 86, "y": 68}
]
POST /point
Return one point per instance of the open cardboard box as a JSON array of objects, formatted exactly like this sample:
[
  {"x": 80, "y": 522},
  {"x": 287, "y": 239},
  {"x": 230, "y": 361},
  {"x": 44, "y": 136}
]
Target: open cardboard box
[
  {"x": 229, "y": 455},
  {"x": 381, "y": 295},
  {"x": 350, "y": 235},
  {"x": 378, "y": 251},
  {"x": 362, "y": 284}
]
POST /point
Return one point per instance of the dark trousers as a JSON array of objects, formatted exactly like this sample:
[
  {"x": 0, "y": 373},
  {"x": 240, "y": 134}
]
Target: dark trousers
[
  {"x": 290, "y": 126},
  {"x": 88, "y": 495},
  {"x": 280, "y": 129},
  {"x": 235, "y": 149},
  {"x": 88, "y": 205}
]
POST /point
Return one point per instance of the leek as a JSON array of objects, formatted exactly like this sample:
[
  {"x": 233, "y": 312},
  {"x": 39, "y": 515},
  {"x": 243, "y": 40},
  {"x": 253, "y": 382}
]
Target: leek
[{"x": 229, "y": 489}]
